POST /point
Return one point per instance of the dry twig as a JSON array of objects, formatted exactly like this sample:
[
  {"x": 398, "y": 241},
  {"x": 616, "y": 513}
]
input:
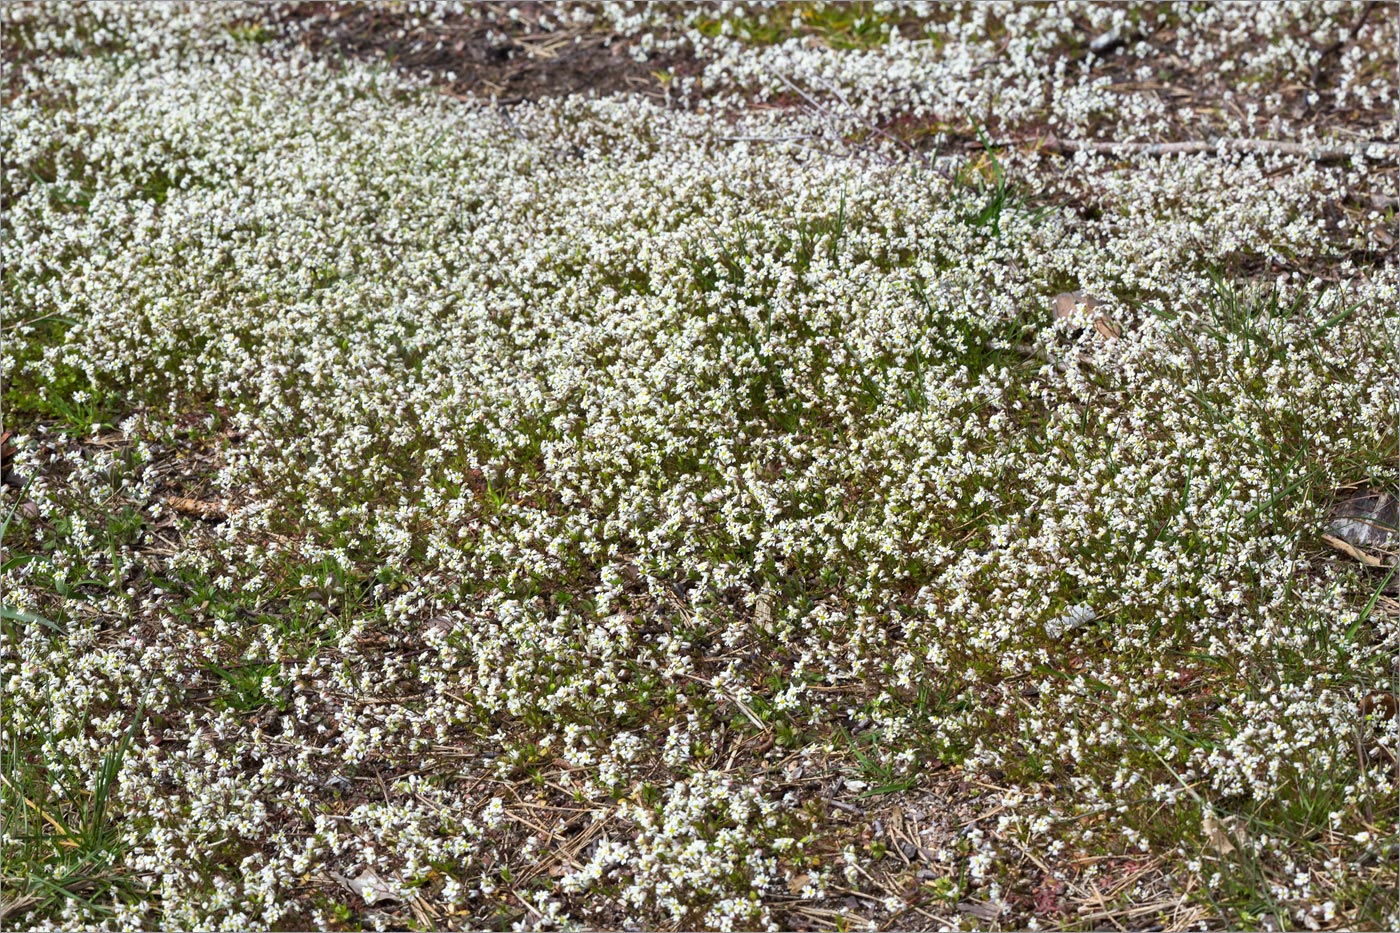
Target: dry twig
[{"x": 1370, "y": 560}]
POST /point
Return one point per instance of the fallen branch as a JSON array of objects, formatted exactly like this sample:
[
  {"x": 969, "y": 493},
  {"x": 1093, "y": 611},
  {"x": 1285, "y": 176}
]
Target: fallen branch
[
  {"x": 804, "y": 137},
  {"x": 1374, "y": 151}
]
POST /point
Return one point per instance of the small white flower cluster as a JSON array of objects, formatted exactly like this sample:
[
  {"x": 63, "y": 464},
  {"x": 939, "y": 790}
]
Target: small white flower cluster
[{"x": 688, "y": 856}]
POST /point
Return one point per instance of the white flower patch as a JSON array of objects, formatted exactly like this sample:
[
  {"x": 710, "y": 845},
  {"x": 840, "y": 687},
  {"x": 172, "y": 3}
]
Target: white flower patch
[{"x": 406, "y": 486}]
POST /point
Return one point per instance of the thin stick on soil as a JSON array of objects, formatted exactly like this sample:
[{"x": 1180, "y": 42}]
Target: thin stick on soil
[{"x": 1373, "y": 151}]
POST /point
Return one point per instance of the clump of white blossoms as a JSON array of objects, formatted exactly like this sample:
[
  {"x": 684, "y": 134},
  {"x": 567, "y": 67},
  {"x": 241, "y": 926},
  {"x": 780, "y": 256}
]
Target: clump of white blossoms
[{"x": 681, "y": 509}]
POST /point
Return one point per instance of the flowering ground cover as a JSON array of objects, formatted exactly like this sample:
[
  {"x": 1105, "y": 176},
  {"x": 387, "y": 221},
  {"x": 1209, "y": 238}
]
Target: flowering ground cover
[{"x": 700, "y": 466}]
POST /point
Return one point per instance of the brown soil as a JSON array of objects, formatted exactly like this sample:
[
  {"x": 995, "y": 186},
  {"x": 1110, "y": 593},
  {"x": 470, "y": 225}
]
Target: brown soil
[{"x": 474, "y": 54}]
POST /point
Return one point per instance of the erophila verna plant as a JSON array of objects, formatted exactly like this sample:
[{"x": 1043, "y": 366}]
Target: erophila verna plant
[{"x": 691, "y": 466}]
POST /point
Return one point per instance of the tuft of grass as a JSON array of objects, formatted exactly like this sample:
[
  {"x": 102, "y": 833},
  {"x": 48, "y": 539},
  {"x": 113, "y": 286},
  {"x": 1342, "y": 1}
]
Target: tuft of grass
[{"x": 64, "y": 842}]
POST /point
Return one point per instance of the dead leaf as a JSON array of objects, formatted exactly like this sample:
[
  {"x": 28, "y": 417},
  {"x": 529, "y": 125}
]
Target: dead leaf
[
  {"x": 1216, "y": 834},
  {"x": 369, "y": 886},
  {"x": 209, "y": 511},
  {"x": 1047, "y": 898},
  {"x": 797, "y": 882},
  {"x": 1066, "y": 302},
  {"x": 1075, "y": 618},
  {"x": 16, "y": 905},
  {"x": 1107, "y": 328},
  {"x": 338, "y": 783},
  {"x": 7, "y": 460},
  {"x": 1365, "y": 519},
  {"x": 1382, "y": 706},
  {"x": 443, "y": 624}
]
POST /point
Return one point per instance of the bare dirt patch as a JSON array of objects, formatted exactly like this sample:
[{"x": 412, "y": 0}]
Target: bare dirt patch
[{"x": 474, "y": 53}]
